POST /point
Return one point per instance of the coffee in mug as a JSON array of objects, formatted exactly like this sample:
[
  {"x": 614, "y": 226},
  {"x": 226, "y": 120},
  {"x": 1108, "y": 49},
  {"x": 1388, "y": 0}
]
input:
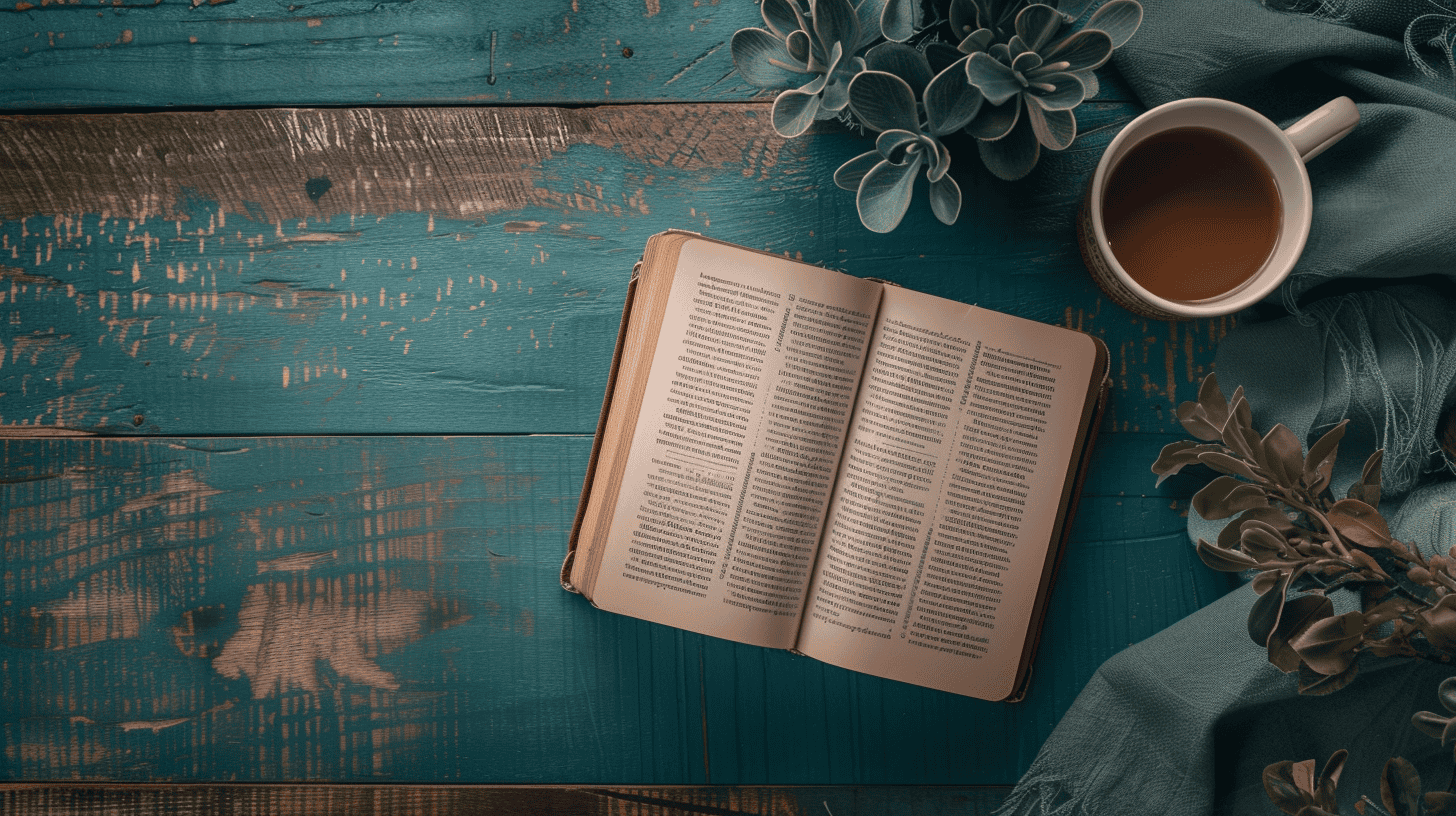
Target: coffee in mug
[{"x": 1201, "y": 207}]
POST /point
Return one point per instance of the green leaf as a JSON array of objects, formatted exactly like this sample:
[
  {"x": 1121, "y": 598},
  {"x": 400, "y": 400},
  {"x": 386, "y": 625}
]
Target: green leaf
[
  {"x": 834, "y": 22},
  {"x": 762, "y": 59},
  {"x": 1023, "y": 62},
  {"x": 998, "y": 82},
  {"x": 940, "y": 165},
  {"x": 852, "y": 172},
  {"x": 1120, "y": 19},
  {"x": 800, "y": 47},
  {"x": 1359, "y": 523},
  {"x": 883, "y": 101},
  {"x": 1013, "y": 156},
  {"x": 1082, "y": 51},
  {"x": 884, "y": 194},
  {"x": 894, "y": 144},
  {"x": 1054, "y": 129},
  {"x": 994, "y": 122},
  {"x": 1400, "y": 788},
  {"x": 869, "y": 13},
  {"x": 1065, "y": 93},
  {"x": 1037, "y": 24},
  {"x": 903, "y": 61},
  {"x": 900, "y": 19},
  {"x": 950, "y": 101},
  {"x": 781, "y": 16},
  {"x": 793, "y": 112},
  {"x": 963, "y": 17},
  {"x": 976, "y": 41},
  {"x": 945, "y": 199}
]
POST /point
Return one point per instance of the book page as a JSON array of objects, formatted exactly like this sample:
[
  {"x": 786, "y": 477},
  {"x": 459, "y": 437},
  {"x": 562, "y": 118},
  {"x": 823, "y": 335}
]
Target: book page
[
  {"x": 956, "y": 464},
  {"x": 733, "y": 457}
]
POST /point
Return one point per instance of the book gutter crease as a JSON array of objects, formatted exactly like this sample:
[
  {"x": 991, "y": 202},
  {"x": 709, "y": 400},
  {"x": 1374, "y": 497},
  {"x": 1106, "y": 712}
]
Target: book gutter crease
[{"x": 795, "y": 458}]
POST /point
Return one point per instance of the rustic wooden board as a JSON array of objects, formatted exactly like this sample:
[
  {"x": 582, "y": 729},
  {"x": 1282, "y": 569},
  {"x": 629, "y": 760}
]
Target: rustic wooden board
[
  {"x": 327, "y": 800},
  {"x": 220, "y": 53},
  {"x": 236, "y": 53},
  {"x": 461, "y": 270},
  {"x": 387, "y": 609}
]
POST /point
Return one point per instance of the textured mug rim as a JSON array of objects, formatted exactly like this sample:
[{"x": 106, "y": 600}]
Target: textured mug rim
[{"x": 1263, "y": 282}]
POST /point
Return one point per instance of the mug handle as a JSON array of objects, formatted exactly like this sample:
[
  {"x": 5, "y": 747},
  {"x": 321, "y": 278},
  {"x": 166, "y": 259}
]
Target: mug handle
[{"x": 1326, "y": 125}]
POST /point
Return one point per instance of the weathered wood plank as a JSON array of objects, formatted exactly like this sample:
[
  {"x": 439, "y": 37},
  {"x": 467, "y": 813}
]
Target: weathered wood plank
[
  {"x": 351, "y": 52},
  {"x": 460, "y": 270},
  {"x": 327, "y": 800},
  {"x": 237, "y": 53},
  {"x": 387, "y": 608}
]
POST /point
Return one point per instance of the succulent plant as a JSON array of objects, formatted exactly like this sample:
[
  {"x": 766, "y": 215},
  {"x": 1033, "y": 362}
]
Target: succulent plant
[
  {"x": 1034, "y": 80},
  {"x": 883, "y": 97},
  {"x": 1005, "y": 75},
  {"x": 825, "y": 42}
]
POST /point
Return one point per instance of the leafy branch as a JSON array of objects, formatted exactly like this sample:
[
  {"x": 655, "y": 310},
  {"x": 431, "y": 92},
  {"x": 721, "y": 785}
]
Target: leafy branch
[
  {"x": 1305, "y": 543},
  {"x": 1287, "y": 525}
]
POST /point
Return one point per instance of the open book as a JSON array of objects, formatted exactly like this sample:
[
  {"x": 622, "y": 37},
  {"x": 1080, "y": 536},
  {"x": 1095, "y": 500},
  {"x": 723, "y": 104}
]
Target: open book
[{"x": 796, "y": 458}]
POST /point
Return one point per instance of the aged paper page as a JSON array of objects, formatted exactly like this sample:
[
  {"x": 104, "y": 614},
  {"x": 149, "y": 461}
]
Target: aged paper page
[
  {"x": 955, "y": 466},
  {"x": 734, "y": 453}
]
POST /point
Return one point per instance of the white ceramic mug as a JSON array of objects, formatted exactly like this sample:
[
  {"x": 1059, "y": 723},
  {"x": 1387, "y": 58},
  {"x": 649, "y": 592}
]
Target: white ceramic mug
[{"x": 1283, "y": 152}]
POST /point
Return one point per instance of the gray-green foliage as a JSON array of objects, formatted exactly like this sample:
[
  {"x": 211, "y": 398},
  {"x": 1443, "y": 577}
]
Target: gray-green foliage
[{"x": 1007, "y": 73}]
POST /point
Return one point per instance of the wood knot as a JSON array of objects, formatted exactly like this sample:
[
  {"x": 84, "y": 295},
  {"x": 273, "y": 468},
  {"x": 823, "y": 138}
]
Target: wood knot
[{"x": 138, "y": 420}]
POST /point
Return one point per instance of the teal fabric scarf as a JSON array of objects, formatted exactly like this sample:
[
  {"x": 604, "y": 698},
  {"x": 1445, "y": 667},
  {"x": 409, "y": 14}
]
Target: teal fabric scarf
[{"x": 1366, "y": 329}]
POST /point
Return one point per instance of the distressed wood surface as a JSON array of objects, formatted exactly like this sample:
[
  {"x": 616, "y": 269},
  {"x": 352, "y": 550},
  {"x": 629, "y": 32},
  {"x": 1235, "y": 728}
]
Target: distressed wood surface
[
  {"x": 234, "y": 53},
  {"x": 212, "y": 599},
  {"x": 327, "y": 800},
  {"x": 387, "y": 609},
  {"x": 220, "y": 53},
  {"x": 461, "y": 270}
]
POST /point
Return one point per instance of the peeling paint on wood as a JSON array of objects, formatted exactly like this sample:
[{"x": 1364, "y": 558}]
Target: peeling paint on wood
[
  {"x": 462, "y": 270},
  {"x": 341, "y": 52},
  {"x": 387, "y": 609}
]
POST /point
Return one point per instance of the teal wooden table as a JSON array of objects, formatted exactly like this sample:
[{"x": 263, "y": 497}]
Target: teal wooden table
[{"x": 297, "y": 387}]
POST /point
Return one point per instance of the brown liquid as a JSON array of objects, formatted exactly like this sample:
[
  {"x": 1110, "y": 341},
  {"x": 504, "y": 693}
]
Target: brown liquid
[{"x": 1191, "y": 213}]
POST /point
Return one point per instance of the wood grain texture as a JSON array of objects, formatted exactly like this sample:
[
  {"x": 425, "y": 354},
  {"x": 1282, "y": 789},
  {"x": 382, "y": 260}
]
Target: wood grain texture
[
  {"x": 222, "y": 53},
  {"x": 234, "y": 53},
  {"x": 387, "y": 609},
  {"x": 461, "y": 270},
  {"x": 328, "y": 800}
]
